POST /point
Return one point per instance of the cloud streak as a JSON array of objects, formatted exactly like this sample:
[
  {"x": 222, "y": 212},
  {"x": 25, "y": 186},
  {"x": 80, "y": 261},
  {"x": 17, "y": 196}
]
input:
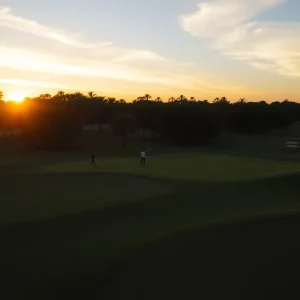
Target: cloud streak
[
  {"x": 10, "y": 20},
  {"x": 139, "y": 56},
  {"x": 229, "y": 24},
  {"x": 27, "y": 59},
  {"x": 88, "y": 72},
  {"x": 88, "y": 65},
  {"x": 33, "y": 83}
]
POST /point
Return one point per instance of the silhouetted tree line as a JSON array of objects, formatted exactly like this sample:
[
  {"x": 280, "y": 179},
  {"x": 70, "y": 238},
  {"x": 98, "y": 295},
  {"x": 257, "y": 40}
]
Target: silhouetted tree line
[{"x": 50, "y": 122}]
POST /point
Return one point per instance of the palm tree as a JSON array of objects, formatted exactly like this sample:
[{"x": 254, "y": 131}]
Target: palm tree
[
  {"x": 242, "y": 101},
  {"x": 139, "y": 99},
  {"x": 101, "y": 98},
  {"x": 224, "y": 100},
  {"x": 45, "y": 97},
  {"x": 59, "y": 97},
  {"x": 193, "y": 99},
  {"x": 172, "y": 99},
  {"x": 147, "y": 97},
  {"x": 60, "y": 94},
  {"x": 92, "y": 95},
  {"x": 122, "y": 101},
  {"x": 182, "y": 99},
  {"x": 111, "y": 100},
  {"x": 74, "y": 96},
  {"x": 78, "y": 94},
  {"x": 216, "y": 100},
  {"x": 158, "y": 99}
]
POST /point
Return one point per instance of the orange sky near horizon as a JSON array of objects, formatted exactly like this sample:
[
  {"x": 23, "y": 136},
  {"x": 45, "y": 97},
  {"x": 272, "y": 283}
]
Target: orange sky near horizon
[{"x": 12, "y": 90}]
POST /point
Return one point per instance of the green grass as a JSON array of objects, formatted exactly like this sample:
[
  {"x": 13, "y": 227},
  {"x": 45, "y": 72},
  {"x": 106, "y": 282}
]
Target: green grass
[
  {"x": 67, "y": 219},
  {"x": 185, "y": 167},
  {"x": 31, "y": 197}
]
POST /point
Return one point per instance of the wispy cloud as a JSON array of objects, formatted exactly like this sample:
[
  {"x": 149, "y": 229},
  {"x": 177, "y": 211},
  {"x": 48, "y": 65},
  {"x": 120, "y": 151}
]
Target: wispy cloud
[
  {"x": 229, "y": 24},
  {"x": 47, "y": 84},
  {"x": 91, "y": 64},
  {"x": 32, "y": 83},
  {"x": 86, "y": 73},
  {"x": 139, "y": 56},
  {"x": 28, "y": 59},
  {"x": 8, "y": 19}
]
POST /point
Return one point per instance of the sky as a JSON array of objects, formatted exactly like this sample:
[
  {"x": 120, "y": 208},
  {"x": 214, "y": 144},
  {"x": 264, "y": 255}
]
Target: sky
[{"x": 127, "y": 48}]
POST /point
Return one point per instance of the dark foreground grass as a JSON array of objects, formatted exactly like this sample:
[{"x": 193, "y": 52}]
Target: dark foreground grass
[
  {"x": 75, "y": 252},
  {"x": 248, "y": 260},
  {"x": 36, "y": 197}
]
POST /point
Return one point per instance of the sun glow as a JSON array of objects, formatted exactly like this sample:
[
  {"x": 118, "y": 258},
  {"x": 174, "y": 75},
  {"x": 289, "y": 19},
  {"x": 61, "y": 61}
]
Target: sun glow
[{"x": 17, "y": 96}]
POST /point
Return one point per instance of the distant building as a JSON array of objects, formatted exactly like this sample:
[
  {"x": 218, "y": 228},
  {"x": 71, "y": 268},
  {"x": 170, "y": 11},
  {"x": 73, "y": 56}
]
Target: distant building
[
  {"x": 293, "y": 143},
  {"x": 91, "y": 127},
  {"x": 12, "y": 132},
  {"x": 96, "y": 127}
]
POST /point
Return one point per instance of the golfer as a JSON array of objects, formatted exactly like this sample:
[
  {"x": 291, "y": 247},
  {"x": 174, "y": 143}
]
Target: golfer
[
  {"x": 143, "y": 158},
  {"x": 94, "y": 159}
]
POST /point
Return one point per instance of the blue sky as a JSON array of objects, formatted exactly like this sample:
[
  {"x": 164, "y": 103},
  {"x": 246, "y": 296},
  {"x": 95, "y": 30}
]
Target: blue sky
[{"x": 199, "y": 48}]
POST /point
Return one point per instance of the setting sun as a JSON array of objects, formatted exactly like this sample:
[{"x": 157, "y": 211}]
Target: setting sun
[{"x": 17, "y": 96}]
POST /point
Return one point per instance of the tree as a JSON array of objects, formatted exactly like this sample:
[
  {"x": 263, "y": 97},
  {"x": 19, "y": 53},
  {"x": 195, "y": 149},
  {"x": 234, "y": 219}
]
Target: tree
[
  {"x": 242, "y": 101},
  {"x": 111, "y": 100},
  {"x": 60, "y": 97},
  {"x": 101, "y": 99},
  {"x": 75, "y": 97},
  {"x": 60, "y": 93},
  {"x": 45, "y": 97},
  {"x": 139, "y": 99},
  {"x": 188, "y": 126},
  {"x": 50, "y": 127},
  {"x": 222, "y": 100},
  {"x": 92, "y": 95},
  {"x": 51, "y": 122},
  {"x": 1, "y": 96},
  {"x": 182, "y": 99},
  {"x": 123, "y": 126},
  {"x": 147, "y": 97}
]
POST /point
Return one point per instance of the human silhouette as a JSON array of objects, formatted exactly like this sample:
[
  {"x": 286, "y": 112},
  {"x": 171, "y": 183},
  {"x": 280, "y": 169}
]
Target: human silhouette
[
  {"x": 143, "y": 158},
  {"x": 94, "y": 159}
]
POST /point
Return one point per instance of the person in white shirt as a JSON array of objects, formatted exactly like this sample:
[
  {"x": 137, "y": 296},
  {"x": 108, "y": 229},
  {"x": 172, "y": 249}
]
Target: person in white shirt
[{"x": 143, "y": 158}]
